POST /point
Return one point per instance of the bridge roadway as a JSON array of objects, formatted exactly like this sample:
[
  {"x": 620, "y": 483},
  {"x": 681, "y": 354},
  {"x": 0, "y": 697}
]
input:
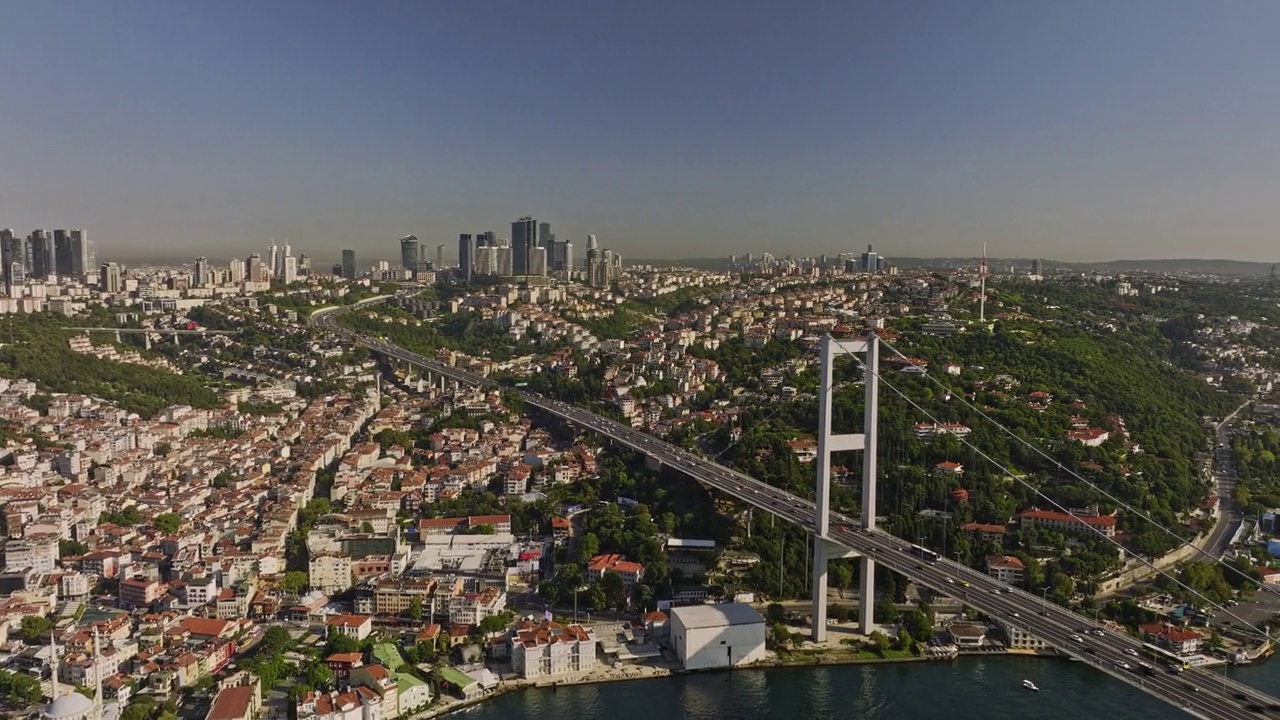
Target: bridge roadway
[
  {"x": 1200, "y": 693},
  {"x": 153, "y": 331}
]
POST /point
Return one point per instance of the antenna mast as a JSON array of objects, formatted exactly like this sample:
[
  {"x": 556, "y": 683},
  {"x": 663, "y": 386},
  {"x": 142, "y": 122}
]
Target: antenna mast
[{"x": 982, "y": 279}]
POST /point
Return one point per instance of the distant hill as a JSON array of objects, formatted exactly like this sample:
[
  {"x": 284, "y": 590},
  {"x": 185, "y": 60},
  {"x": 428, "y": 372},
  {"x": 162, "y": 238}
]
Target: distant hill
[
  {"x": 1233, "y": 268},
  {"x": 1229, "y": 268}
]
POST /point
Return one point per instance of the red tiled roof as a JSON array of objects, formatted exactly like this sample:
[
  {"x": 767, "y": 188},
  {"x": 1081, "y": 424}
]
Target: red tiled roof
[
  {"x": 1172, "y": 633},
  {"x": 232, "y": 703},
  {"x": 1094, "y": 520}
]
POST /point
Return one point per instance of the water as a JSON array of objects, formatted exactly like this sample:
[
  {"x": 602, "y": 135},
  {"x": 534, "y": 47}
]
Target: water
[{"x": 967, "y": 689}]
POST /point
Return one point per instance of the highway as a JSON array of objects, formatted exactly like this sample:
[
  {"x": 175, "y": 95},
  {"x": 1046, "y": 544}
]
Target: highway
[
  {"x": 1225, "y": 479},
  {"x": 1197, "y": 692}
]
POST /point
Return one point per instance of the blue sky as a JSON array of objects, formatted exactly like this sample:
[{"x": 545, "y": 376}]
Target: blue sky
[{"x": 1078, "y": 131}]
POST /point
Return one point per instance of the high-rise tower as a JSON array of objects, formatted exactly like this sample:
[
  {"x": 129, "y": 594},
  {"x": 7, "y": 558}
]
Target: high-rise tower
[
  {"x": 202, "y": 272},
  {"x": 466, "y": 257},
  {"x": 982, "y": 286},
  {"x": 349, "y": 264},
  {"x": 409, "y": 253},
  {"x": 523, "y": 240}
]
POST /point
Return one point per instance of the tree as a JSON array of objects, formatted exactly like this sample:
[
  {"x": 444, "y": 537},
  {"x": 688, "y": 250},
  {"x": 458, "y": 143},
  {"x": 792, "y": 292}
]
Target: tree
[
  {"x": 275, "y": 640},
  {"x": 366, "y": 527},
  {"x": 614, "y": 588},
  {"x": 415, "y": 608},
  {"x": 841, "y": 575},
  {"x": 125, "y": 518},
  {"x": 168, "y": 523},
  {"x": 493, "y": 624},
  {"x": 340, "y": 643},
  {"x": 879, "y": 642},
  {"x": 599, "y": 599},
  {"x": 20, "y": 689},
  {"x": 67, "y": 547},
  {"x": 35, "y": 628},
  {"x": 588, "y": 546},
  {"x": 140, "y": 707},
  {"x": 918, "y": 623},
  {"x": 294, "y": 581},
  {"x": 776, "y": 613},
  {"x": 885, "y": 612},
  {"x": 319, "y": 675}
]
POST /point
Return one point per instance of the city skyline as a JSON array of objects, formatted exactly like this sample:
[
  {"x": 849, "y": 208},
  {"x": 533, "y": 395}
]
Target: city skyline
[{"x": 1088, "y": 133}]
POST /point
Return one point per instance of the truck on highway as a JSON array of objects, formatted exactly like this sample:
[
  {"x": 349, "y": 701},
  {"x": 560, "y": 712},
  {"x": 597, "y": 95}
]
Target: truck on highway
[{"x": 924, "y": 554}]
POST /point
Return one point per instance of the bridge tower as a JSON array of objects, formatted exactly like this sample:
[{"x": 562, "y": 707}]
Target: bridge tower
[{"x": 823, "y": 550}]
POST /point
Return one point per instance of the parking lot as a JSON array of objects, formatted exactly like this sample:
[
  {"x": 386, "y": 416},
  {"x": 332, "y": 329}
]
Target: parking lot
[{"x": 1254, "y": 611}]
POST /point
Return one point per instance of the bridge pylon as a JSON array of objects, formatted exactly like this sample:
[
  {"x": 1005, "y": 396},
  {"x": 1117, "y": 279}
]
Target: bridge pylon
[{"x": 823, "y": 550}]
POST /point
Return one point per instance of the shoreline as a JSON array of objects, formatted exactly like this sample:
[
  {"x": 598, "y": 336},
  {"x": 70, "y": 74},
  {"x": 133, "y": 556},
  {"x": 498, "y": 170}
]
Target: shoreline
[{"x": 646, "y": 672}]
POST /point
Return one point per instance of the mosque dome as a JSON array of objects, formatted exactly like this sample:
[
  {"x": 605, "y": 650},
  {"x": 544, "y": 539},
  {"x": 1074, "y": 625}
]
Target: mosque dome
[{"x": 69, "y": 707}]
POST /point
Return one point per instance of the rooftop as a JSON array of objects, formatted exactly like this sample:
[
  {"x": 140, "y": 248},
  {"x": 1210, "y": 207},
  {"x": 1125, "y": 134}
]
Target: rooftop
[
  {"x": 709, "y": 616},
  {"x": 232, "y": 703}
]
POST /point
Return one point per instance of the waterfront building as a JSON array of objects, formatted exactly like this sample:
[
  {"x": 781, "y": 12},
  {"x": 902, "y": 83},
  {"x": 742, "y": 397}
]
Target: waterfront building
[
  {"x": 550, "y": 648},
  {"x": 717, "y": 636}
]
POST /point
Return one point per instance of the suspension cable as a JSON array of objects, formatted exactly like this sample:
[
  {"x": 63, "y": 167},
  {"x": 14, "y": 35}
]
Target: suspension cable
[
  {"x": 1037, "y": 450},
  {"x": 1055, "y": 503}
]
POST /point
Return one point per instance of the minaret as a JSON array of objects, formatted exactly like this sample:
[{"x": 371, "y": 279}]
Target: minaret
[
  {"x": 97, "y": 674},
  {"x": 982, "y": 279},
  {"x": 53, "y": 658}
]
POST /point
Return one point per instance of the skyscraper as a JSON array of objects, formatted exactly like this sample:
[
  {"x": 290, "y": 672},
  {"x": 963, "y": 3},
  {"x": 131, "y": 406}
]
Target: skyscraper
[
  {"x": 349, "y": 264},
  {"x": 254, "y": 270},
  {"x": 538, "y": 262},
  {"x": 523, "y": 240},
  {"x": 466, "y": 260},
  {"x": 40, "y": 249},
  {"x": 486, "y": 260},
  {"x": 235, "y": 270},
  {"x": 202, "y": 272},
  {"x": 13, "y": 258},
  {"x": 596, "y": 268},
  {"x": 439, "y": 258},
  {"x": 290, "y": 270},
  {"x": 870, "y": 261},
  {"x": 81, "y": 253},
  {"x": 409, "y": 253},
  {"x": 506, "y": 261},
  {"x": 109, "y": 280},
  {"x": 62, "y": 253},
  {"x": 545, "y": 236},
  {"x": 1037, "y": 267},
  {"x": 273, "y": 257},
  {"x": 560, "y": 259}
]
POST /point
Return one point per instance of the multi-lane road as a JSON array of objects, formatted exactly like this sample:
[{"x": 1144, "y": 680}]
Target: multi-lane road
[{"x": 1198, "y": 692}]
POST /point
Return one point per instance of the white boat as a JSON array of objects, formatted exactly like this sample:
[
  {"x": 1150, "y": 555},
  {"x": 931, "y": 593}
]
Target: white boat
[{"x": 1030, "y": 685}]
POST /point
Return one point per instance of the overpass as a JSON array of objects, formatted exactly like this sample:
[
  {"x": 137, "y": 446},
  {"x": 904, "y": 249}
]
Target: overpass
[
  {"x": 146, "y": 333},
  {"x": 1197, "y": 692},
  {"x": 153, "y": 331}
]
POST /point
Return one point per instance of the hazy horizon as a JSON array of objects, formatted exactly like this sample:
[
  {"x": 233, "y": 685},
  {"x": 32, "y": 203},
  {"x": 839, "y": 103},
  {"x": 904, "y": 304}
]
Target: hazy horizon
[{"x": 1084, "y": 132}]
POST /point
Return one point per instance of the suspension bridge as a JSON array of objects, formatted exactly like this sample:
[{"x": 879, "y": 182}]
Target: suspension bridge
[{"x": 1197, "y": 692}]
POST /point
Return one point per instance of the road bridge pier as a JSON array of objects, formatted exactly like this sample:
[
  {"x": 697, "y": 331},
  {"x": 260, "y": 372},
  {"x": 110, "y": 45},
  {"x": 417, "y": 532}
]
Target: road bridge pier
[{"x": 828, "y": 442}]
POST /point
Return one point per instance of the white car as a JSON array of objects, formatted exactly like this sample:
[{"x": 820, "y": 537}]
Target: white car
[
  {"x": 1131, "y": 651},
  {"x": 1077, "y": 638}
]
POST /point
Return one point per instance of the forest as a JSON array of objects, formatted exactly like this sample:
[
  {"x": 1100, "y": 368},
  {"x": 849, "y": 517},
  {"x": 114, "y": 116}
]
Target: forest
[
  {"x": 35, "y": 348},
  {"x": 1256, "y": 449},
  {"x": 467, "y": 332}
]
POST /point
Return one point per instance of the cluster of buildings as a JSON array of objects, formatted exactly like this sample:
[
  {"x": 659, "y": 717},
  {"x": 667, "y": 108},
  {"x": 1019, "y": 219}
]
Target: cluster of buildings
[{"x": 532, "y": 254}]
